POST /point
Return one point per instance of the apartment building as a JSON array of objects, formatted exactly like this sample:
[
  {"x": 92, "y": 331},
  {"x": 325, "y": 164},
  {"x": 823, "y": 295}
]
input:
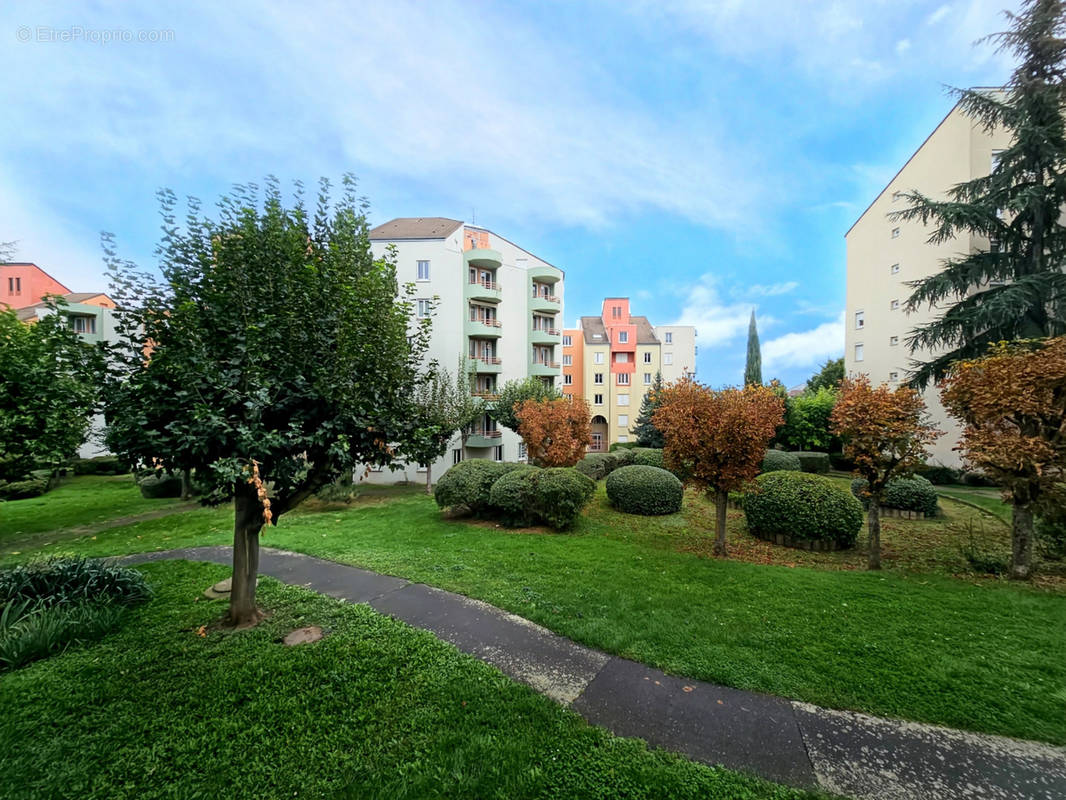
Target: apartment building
[
  {"x": 491, "y": 301},
  {"x": 23, "y": 283},
  {"x": 884, "y": 255},
  {"x": 610, "y": 361}
]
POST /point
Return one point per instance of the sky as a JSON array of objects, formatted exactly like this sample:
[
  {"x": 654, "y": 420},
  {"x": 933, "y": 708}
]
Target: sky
[{"x": 702, "y": 158}]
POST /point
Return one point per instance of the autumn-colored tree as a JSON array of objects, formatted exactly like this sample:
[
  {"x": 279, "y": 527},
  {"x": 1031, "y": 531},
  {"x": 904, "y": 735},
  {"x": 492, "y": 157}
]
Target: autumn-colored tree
[
  {"x": 717, "y": 439},
  {"x": 556, "y": 432},
  {"x": 1013, "y": 404},
  {"x": 885, "y": 433}
]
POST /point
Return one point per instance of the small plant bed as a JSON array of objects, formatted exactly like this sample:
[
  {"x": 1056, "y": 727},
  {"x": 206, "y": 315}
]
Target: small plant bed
[{"x": 169, "y": 707}]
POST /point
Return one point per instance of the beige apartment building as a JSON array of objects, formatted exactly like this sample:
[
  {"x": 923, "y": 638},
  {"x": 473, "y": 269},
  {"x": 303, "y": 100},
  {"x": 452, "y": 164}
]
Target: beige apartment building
[
  {"x": 492, "y": 302},
  {"x": 883, "y": 255},
  {"x": 610, "y": 361}
]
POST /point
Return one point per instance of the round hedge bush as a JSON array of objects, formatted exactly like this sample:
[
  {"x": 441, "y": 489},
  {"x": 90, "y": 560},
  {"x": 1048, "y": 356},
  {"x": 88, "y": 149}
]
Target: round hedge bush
[
  {"x": 511, "y": 496},
  {"x": 529, "y": 495},
  {"x": 802, "y": 507},
  {"x": 905, "y": 494},
  {"x": 597, "y": 465},
  {"x": 466, "y": 485},
  {"x": 640, "y": 489},
  {"x": 24, "y": 489},
  {"x": 776, "y": 460},
  {"x": 648, "y": 457},
  {"x": 813, "y": 462},
  {"x": 162, "y": 485}
]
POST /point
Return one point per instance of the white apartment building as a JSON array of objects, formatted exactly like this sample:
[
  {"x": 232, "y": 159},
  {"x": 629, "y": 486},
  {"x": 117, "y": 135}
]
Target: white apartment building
[
  {"x": 883, "y": 255},
  {"x": 491, "y": 301}
]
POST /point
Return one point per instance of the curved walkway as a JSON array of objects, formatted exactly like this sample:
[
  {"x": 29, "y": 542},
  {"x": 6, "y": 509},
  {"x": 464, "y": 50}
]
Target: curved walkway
[{"x": 852, "y": 754}]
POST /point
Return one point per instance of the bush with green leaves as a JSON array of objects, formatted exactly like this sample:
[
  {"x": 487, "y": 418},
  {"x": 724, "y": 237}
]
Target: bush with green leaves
[
  {"x": 511, "y": 496},
  {"x": 615, "y": 446},
  {"x": 70, "y": 580},
  {"x": 99, "y": 465},
  {"x": 939, "y": 475},
  {"x": 648, "y": 457},
  {"x": 776, "y": 460},
  {"x": 597, "y": 465},
  {"x": 466, "y": 485},
  {"x": 639, "y": 489},
  {"x": 813, "y": 462},
  {"x": 30, "y": 631},
  {"x": 530, "y": 495},
  {"x": 23, "y": 489},
  {"x": 157, "y": 485},
  {"x": 1050, "y": 530},
  {"x": 975, "y": 478},
  {"x": 802, "y": 506},
  {"x": 904, "y": 494}
]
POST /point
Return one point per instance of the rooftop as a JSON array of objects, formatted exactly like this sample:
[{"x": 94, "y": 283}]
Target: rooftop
[{"x": 415, "y": 228}]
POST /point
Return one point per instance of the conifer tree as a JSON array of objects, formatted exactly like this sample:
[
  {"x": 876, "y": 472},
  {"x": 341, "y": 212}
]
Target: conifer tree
[
  {"x": 753, "y": 367},
  {"x": 645, "y": 431}
]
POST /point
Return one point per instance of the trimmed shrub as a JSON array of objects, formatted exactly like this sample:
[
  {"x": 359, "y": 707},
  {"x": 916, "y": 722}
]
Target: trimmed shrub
[
  {"x": 939, "y": 475},
  {"x": 639, "y": 489},
  {"x": 622, "y": 446},
  {"x": 70, "y": 580},
  {"x": 974, "y": 478},
  {"x": 99, "y": 465},
  {"x": 597, "y": 465},
  {"x": 813, "y": 462},
  {"x": 553, "y": 496},
  {"x": 156, "y": 486},
  {"x": 24, "y": 489},
  {"x": 904, "y": 494},
  {"x": 466, "y": 485},
  {"x": 648, "y": 457},
  {"x": 803, "y": 507},
  {"x": 776, "y": 460},
  {"x": 511, "y": 496},
  {"x": 840, "y": 462}
]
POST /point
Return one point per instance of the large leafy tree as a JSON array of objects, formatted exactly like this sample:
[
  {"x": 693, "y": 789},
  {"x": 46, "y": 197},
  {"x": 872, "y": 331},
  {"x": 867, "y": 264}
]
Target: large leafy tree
[
  {"x": 886, "y": 432},
  {"x": 1014, "y": 288},
  {"x": 48, "y": 390},
  {"x": 444, "y": 405},
  {"x": 514, "y": 393},
  {"x": 1013, "y": 404},
  {"x": 556, "y": 431},
  {"x": 807, "y": 421},
  {"x": 645, "y": 431},
  {"x": 753, "y": 364},
  {"x": 717, "y": 439},
  {"x": 828, "y": 377},
  {"x": 275, "y": 355}
]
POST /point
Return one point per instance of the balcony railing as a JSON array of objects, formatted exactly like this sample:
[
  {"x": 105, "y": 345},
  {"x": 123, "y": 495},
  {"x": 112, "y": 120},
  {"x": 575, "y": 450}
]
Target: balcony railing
[
  {"x": 486, "y": 284},
  {"x": 490, "y": 321},
  {"x": 487, "y": 434},
  {"x": 487, "y": 359},
  {"x": 549, "y": 331},
  {"x": 551, "y": 298},
  {"x": 486, "y": 394},
  {"x": 551, "y": 364}
]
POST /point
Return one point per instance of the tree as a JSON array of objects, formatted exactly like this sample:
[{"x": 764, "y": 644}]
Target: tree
[
  {"x": 807, "y": 421},
  {"x": 717, "y": 439},
  {"x": 645, "y": 431},
  {"x": 516, "y": 392},
  {"x": 556, "y": 431},
  {"x": 1013, "y": 404},
  {"x": 828, "y": 377},
  {"x": 282, "y": 350},
  {"x": 886, "y": 433},
  {"x": 443, "y": 405},
  {"x": 1015, "y": 288},
  {"x": 753, "y": 365},
  {"x": 48, "y": 391}
]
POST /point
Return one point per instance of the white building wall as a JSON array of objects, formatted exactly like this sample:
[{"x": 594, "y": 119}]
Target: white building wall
[{"x": 681, "y": 351}]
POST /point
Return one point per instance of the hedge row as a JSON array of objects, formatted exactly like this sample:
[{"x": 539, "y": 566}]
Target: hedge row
[
  {"x": 795, "y": 461},
  {"x": 599, "y": 465},
  {"x": 906, "y": 494},
  {"x": 640, "y": 489},
  {"x": 100, "y": 465},
  {"x": 802, "y": 506}
]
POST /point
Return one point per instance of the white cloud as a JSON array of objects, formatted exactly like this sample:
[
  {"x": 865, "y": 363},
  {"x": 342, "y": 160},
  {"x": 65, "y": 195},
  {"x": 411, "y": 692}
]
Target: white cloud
[
  {"x": 902, "y": 46},
  {"x": 717, "y": 322},
  {"x": 770, "y": 290},
  {"x": 805, "y": 348},
  {"x": 938, "y": 15}
]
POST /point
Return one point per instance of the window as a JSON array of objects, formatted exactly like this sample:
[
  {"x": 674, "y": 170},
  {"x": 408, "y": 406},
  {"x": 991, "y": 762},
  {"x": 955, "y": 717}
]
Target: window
[
  {"x": 647, "y": 378},
  {"x": 497, "y": 453},
  {"x": 616, "y": 312},
  {"x": 597, "y": 378},
  {"x": 568, "y": 361},
  {"x": 622, "y": 438},
  {"x": 567, "y": 341},
  {"x": 647, "y": 357},
  {"x": 893, "y": 376},
  {"x": 623, "y": 420},
  {"x": 597, "y": 442},
  {"x": 669, "y": 337},
  {"x": 623, "y": 379},
  {"x": 522, "y": 453},
  {"x": 860, "y": 320},
  {"x": 597, "y": 399},
  {"x": 568, "y": 379},
  {"x": 895, "y": 233},
  {"x": 893, "y": 340},
  {"x": 894, "y": 269},
  {"x": 14, "y": 285},
  {"x": 621, "y": 358},
  {"x": 858, "y": 352},
  {"x": 598, "y": 358},
  {"x": 668, "y": 358},
  {"x": 895, "y": 305},
  {"x": 623, "y": 337},
  {"x": 457, "y": 455},
  {"x": 423, "y": 270},
  {"x": 425, "y": 308},
  {"x": 83, "y": 324},
  {"x": 623, "y": 399}
]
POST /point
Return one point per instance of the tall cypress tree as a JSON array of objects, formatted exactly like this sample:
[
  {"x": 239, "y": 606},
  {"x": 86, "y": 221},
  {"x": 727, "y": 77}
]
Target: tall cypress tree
[
  {"x": 646, "y": 432},
  {"x": 1014, "y": 288},
  {"x": 753, "y": 367}
]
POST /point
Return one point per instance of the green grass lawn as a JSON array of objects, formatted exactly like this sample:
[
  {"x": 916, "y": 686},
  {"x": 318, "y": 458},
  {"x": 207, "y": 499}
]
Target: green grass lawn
[
  {"x": 987, "y": 499},
  {"x": 375, "y": 710},
  {"x": 975, "y": 654}
]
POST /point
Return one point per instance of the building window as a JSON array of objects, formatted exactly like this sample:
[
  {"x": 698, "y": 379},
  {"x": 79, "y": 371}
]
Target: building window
[
  {"x": 568, "y": 361},
  {"x": 895, "y": 233},
  {"x": 616, "y": 312},
  {"x": 522, "y": 452},
  {"x": 83, "y": 324},
  {"x": 423, "y": 270},
  {"x": 623, "y": 337},
  {"x": 568, "y": 379},
  {"x": 623, "y": 399},
  {"x": 597, "y": 442},
  {"x": 457, "y": 455},
  {"x": 623, "y": 420},
  {"x": 621, "y": 358},
  {"x": 597, "y": 378},
  {"x": 858, "y": 352},
  {"x": 895, "y": 305},
  {"x": 597, "y": 399},
  {"x": 497, "y": 453},
  {"x": 622, "y": 438},
  {"x": 597, "y": 358},
  {"x": 668, "y": 358},
  {"x": 647, "y": 357},
  {"x": 893, "y": 340},
  {"x": 623, "y": 379},
  {"x": 669, "y": 337},
  {"x": 425, "y": 308},
  {"x": 567, "y": 341},
  {"x": 14, "y": 286},
  {"x": 647, "y": 378},
  {"x": 860, "y": 320},
  {"x": 894, "y": 269}
]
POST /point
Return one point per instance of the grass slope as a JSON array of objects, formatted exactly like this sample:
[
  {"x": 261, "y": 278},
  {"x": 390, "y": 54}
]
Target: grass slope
[{"x": 375, "y": 710}]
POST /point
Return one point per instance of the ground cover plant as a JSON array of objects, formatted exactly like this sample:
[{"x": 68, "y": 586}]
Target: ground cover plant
[{"x": 375, "y": 710}]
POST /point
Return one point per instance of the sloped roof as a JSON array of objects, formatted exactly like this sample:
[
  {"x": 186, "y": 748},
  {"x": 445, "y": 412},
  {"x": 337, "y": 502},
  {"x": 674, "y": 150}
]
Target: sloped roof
[
  {"x": 415, "y": 228},
  {"x": 81, "y": 297},
  {"x": 645, "y": 332},
  {"x": 593, "y": 326}
]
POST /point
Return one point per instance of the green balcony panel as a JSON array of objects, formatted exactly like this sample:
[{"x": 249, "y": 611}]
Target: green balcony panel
[
  {"x": 483, "y": 257},
  {"x": 489, "y": 329},
  {"x": 488, "y": 292}
]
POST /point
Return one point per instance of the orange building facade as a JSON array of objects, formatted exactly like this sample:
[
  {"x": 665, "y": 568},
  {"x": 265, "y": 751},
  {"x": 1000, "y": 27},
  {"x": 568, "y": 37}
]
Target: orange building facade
[{"x": 25, "y": 284}]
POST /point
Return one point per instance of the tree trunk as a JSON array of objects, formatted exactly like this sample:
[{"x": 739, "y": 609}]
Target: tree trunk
[
  {"x": 1021, "y": 564},
  {"x": 186, "y": 484},
  {"x": 873, "y": 527},
  {"x": 247, "y": 522},
  {"x": 429, "y": 478},
  {"x": 721, "y": 502}
]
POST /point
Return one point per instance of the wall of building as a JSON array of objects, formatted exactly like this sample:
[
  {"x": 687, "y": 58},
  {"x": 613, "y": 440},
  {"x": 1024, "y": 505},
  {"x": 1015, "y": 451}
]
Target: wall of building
[
  {"x": 33, "y": 284},
  {"x": 680, "y": 351}
]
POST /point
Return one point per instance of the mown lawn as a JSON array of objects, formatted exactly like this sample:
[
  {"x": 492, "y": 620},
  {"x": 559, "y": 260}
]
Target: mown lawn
[
  {"x": 375, "y": 710},
  {"x": 976, "y": 654}
]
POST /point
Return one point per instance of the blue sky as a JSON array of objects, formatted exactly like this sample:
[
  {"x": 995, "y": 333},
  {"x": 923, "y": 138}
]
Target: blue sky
[{"x": 703, "y": 158}]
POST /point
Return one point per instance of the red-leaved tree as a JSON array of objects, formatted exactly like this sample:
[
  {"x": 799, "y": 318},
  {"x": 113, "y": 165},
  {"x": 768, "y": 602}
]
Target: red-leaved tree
[
  {"x": 886, "y": 433},
  {"x": 556, "y": 432},
  {"x": 716, "y": 439},
  {"x": 1013, "y": 404}
]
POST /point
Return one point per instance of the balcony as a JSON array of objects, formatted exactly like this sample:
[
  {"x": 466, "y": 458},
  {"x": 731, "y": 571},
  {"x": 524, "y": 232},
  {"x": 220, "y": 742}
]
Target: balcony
[
  {"x": 485, "y": 365},
  {"x": 545, "y": 368},
  {"x": 483, "y": 257},
  {"x": 485, "y": 327},
  {"x": 543, "y": 302},
  {"x": 486, "y": 291},
  {"x": 484, "y": 438},
  {"x": 545, "y": 335}
]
